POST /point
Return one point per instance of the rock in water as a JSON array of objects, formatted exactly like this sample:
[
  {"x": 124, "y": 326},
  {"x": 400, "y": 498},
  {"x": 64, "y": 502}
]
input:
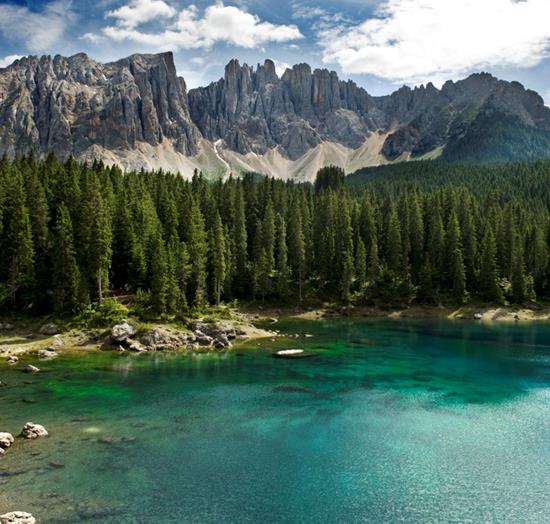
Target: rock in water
[
  {"x": 122, "y": 332},
  {"x": 32, "y": 431},
  {"x": 49, "y": 329},
  {"x": 47, "y": 353},
  {"x": 17, "y": 517},
  {"x": 32, "y": 369},
  {"x": 12, "y": 359},
  {"x": 6, "y": 440},
  {"x": 292, "y": 353}
]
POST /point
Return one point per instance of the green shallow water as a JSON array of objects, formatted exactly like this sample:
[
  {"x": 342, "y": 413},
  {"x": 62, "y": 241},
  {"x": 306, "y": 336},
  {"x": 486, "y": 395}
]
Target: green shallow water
[{"x": 390, "y": 421}]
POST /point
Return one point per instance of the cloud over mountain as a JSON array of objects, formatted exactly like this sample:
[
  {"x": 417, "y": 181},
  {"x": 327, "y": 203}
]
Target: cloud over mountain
[
  {"x": 417, "y": 40},
  {"x": 191, "y": 28}
]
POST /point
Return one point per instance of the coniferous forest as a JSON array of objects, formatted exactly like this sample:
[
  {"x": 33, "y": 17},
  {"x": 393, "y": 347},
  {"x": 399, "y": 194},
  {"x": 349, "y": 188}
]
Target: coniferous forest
[{"x": 72, "y": 234}]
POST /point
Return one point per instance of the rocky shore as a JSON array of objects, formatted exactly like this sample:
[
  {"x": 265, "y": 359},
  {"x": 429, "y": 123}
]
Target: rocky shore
[
  {"x": 203, "y": 336},
  {"x": 48, "y": 340}
]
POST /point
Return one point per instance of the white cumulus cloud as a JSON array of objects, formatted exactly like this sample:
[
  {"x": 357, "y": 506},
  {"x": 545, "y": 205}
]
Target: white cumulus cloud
[
  {"x": 8, "y": 60},
  {"x": 37, "y": 30},
  {"x": 190, "y": 28},
  {"x": 140, "y": 11},
  {"x": 418, "y": 40}
]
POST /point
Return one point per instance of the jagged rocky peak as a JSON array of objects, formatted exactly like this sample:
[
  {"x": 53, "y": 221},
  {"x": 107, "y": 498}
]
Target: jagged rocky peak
[
  {"x": 255, "y": 110},
  {"x": 69, "y": 105},
  {"x": 77, "y": 106}
]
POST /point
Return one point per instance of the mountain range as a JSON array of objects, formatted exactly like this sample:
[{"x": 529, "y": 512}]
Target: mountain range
[{"x": 137, "y": 112}]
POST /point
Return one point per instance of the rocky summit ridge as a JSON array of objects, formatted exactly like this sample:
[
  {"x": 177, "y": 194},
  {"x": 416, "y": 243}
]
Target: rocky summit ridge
[{"x": 137, "y": 112}]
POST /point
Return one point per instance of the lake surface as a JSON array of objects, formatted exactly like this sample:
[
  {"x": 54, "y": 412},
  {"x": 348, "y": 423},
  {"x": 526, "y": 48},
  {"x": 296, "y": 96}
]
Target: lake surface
[{"x": 390, "y": 421}]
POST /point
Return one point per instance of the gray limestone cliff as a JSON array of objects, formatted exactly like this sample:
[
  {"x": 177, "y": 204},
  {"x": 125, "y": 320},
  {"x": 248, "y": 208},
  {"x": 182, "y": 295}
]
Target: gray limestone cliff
[
  {"x": 66, "y": 105},
  {"x": 71, "y": 106}
]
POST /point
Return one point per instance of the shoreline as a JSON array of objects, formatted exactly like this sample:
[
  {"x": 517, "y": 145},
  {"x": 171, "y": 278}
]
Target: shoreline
[
  {"x": 23, "y": 338},
  {"x": 479, "y": 313}
]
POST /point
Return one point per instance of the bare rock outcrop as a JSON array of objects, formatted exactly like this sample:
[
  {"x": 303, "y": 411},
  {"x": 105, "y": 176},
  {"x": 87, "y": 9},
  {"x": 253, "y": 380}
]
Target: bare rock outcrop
[{"x": 69, "y": 105}]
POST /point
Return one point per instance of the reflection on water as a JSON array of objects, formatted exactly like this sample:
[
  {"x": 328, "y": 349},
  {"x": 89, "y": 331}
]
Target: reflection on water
[{"x": 390, "y": 421}]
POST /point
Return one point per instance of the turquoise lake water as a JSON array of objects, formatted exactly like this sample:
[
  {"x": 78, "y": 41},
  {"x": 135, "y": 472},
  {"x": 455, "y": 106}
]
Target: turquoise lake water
[{"x": 390, "y": 421}]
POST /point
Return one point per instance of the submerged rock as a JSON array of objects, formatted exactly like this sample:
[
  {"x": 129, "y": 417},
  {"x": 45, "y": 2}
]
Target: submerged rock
[
  {"x": 17, "y": 517},
  {"x": 49, "y": 329},
  {"x": 5, "y": 326},
  {"x": 12, "y": 359},
  {"x": 31, "y": 369},
  {"x": 6, "y": 440},
  {"x": 122, "y": 332},
  {"x": 292, "y": 388},
  {"x": 31, "y": 431}
]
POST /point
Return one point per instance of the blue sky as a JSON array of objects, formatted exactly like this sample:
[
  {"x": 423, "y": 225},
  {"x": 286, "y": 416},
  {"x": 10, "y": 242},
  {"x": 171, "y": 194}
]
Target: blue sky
[{"x": 381, "y": 44}]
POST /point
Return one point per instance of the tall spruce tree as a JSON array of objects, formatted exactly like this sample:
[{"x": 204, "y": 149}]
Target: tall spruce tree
[
  {"x": 488, "y": 275},
  {"x": 217, "y": 248},
  {"x": 65, "y": 273}
]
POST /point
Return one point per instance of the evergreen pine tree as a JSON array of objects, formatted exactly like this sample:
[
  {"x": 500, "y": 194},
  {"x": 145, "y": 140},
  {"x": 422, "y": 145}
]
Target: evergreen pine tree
[
  {"x": 488, "y": 275},
  {"x": 65, "y": 274}
]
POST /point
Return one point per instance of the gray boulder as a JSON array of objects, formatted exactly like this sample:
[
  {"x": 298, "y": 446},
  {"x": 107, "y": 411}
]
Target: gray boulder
[
  {"x": 160, "y": 339},
  {"x": 215, "y": 329},
  {"x": 12, "y": 359},
  {"x": 203, "y": 340},
  {"x": 31, "y": 369},
  {"x": 49, "y": 329},
  {"x": 122, "y": 332},
  {"x": 221, "y": 342},
  {"x": 31, "y": 431}
]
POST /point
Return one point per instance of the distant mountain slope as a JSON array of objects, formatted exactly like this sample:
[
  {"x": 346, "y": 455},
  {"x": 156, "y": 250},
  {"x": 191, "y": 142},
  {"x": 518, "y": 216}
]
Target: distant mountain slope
[
  {"x": 136, "y": 112},
  {"x": 499, "y": 137},
  {"x": 528, "y": 181}
]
